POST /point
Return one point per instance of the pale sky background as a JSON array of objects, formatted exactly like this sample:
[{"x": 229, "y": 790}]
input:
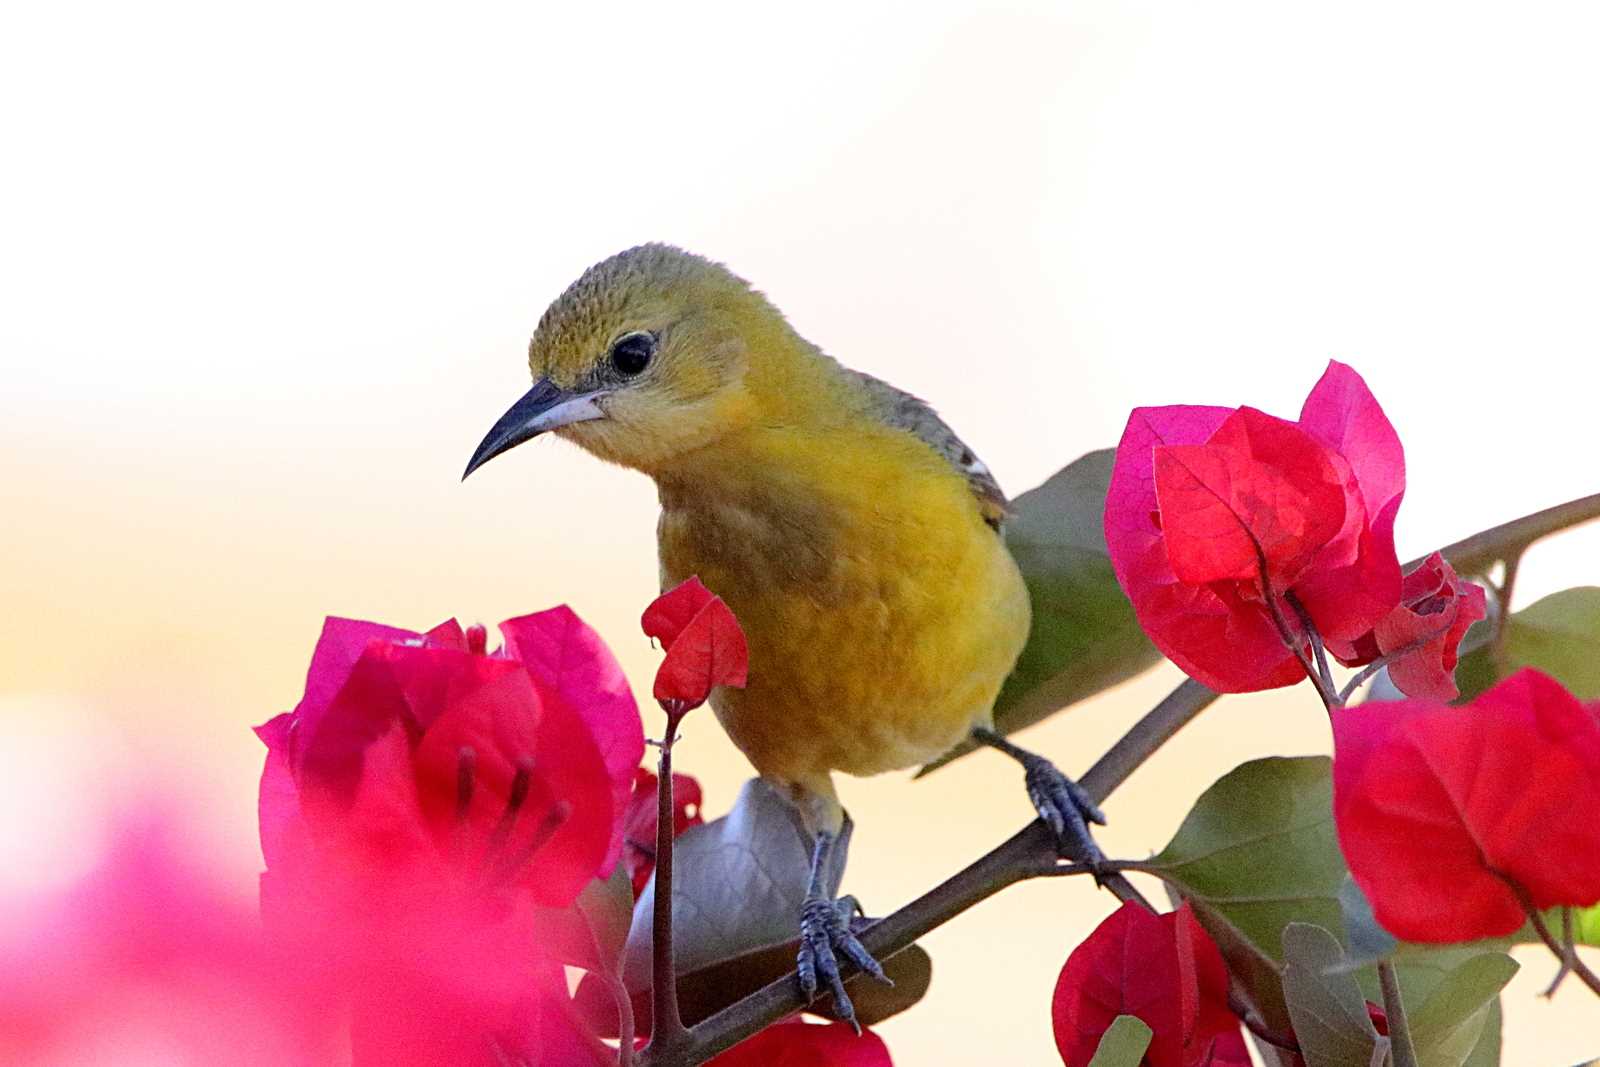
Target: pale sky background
[{"x": 269, "y": 272}]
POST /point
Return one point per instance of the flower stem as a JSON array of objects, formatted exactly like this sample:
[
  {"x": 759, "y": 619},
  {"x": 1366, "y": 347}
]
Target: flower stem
[
  {"x": 1564, "y": 952},
  {"x": 1323, "y": 679},
  {"x": 1502, "y": 600},
  {"x": 667, "y": 1032}
]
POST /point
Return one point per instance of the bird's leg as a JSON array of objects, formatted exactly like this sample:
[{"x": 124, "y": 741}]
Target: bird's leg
[
  {"x": 825, "y": 933},
  {"x": 1061, "y": 802}
]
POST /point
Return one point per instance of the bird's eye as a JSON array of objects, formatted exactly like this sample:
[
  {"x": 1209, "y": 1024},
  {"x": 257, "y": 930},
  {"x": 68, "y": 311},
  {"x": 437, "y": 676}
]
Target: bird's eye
[{"x": 631, "y": 354}]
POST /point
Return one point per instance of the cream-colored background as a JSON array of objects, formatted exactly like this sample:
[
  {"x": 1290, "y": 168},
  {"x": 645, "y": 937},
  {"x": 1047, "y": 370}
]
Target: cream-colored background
[{"x": 268, "y": 271}]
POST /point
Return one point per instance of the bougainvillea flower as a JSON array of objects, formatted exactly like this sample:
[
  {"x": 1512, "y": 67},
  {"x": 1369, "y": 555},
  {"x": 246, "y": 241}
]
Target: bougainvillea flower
[
  {"x": 793, "y": 1043},
  {"x": 417, "y": 805},
  {"x": 1166, "y": 970},
  {"x": 1215, "y": 517},
  {"x": 1438, "y": 806},
  {"x": 562, "y": 650},
  {"x": 149, "y": 958},
  {"x": 639, "y": 825},
  {"x": 1422, "y": 635},
  {"x": 705, "y": 646}
]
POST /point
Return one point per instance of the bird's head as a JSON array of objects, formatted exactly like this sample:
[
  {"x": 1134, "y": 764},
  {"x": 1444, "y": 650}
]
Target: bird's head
[{"x": 643, "y": 359}]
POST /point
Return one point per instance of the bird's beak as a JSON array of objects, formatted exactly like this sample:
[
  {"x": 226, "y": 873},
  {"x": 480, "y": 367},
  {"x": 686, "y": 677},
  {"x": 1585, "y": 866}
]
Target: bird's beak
[{"x": 544, "y": 407}]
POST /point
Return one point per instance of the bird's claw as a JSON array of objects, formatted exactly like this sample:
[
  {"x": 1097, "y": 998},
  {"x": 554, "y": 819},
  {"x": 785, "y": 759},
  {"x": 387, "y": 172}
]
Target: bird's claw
[
  {"x": 1067, "y": 809},
  {"x": 825, "y": 934}
]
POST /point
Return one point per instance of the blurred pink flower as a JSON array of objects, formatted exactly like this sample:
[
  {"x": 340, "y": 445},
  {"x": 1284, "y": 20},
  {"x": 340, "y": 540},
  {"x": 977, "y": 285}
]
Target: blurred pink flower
[{"x": 149, "y": 960}]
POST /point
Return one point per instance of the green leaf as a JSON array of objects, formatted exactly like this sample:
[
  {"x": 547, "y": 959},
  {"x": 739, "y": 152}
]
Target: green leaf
[
  {"x": 1123, "y": 1044},
  {"x": 591, "y": 933},
  {"x": 1560, "y": 635},
  {"x": 1474, "y": 671},
  {"x": 607, "y": 908},
  {"x": 1585, "y": 926},
  {"x": 1425, "y": 969},
  {"x": 1085, "y": 637},
  {"x": 1257, "y": 852},
  {"x": 1487, "y": 1052},
  {"x": 1451, "y": 1021},
  {"x": 1326, "y": 1005},
  {"x": 1259, "y": 847}
]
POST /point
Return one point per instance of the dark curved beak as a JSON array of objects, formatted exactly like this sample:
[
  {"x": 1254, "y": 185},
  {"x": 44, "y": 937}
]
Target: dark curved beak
[{"x": 544, "y": 407}]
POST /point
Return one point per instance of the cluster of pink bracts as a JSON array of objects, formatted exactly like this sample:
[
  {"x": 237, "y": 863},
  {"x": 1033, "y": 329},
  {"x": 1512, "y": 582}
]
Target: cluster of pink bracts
[{"x": 1239, "y": 536}]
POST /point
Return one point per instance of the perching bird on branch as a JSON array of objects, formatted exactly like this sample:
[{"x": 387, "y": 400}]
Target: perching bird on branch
[{"x": 850, "y": 530}]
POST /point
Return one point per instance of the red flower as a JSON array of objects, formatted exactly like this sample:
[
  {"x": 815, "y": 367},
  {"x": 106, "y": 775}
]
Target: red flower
[
  {"x": 416, "y": 806},
  {"x": 1164, "y": 969},
  {"x": 705, "y": 646},
  {"x": 1215, "y": 516},
  {"x": 1423, "y": 633},
  {"x": 639, "y": 825},
  {"x": 1437, "y": 806},
  {"x": 794, "y": 1043}
]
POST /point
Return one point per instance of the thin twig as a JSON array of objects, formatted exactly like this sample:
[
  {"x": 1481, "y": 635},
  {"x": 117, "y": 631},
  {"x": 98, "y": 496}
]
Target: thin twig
[
  {"x": 1569, "y": 953},
  {"x": 1257, "y": 1025},
  {"x": 1466, "y": 648},
  {"x": 1059, "y": 868},
  {"x": 1155, "y": 729},
  {"x": 1353, "y": 686},
  {"x": 1566, "y": 954},
  {"x": 1476, "y": 554}
]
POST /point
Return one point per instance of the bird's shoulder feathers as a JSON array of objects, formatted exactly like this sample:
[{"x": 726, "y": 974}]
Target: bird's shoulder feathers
[{"x": 899, "y": 409}]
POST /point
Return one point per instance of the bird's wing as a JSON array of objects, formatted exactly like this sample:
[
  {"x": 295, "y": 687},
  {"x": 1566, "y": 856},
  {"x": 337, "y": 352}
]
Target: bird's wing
[{"x": 900, "y": 409}]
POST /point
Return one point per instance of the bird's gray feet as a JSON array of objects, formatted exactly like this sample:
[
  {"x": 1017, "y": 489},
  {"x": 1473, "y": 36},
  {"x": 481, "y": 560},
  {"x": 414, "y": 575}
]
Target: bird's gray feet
[
  {"x": 1063, "y": 804},
  {"x": 825, "y": 935},
  {"x": 1067, "y": 809}
]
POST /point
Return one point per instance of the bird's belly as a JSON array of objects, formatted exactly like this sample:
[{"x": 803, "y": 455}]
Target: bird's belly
[{"x": 873, "y": 647}]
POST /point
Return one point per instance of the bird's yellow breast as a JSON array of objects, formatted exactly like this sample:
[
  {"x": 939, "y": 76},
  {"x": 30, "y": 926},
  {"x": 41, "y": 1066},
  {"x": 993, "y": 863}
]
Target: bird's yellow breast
[{"x": 882, "y": 612}]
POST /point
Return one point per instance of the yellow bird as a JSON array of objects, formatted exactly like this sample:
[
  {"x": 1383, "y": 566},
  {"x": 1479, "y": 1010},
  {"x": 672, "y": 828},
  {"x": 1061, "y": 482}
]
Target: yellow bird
[{"x": 850, "y": 530}]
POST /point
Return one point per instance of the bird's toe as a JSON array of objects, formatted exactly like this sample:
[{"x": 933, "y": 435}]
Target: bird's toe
[
  {"x": 825, "y": 935},
  {"x": 1067, "y": 808}
]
